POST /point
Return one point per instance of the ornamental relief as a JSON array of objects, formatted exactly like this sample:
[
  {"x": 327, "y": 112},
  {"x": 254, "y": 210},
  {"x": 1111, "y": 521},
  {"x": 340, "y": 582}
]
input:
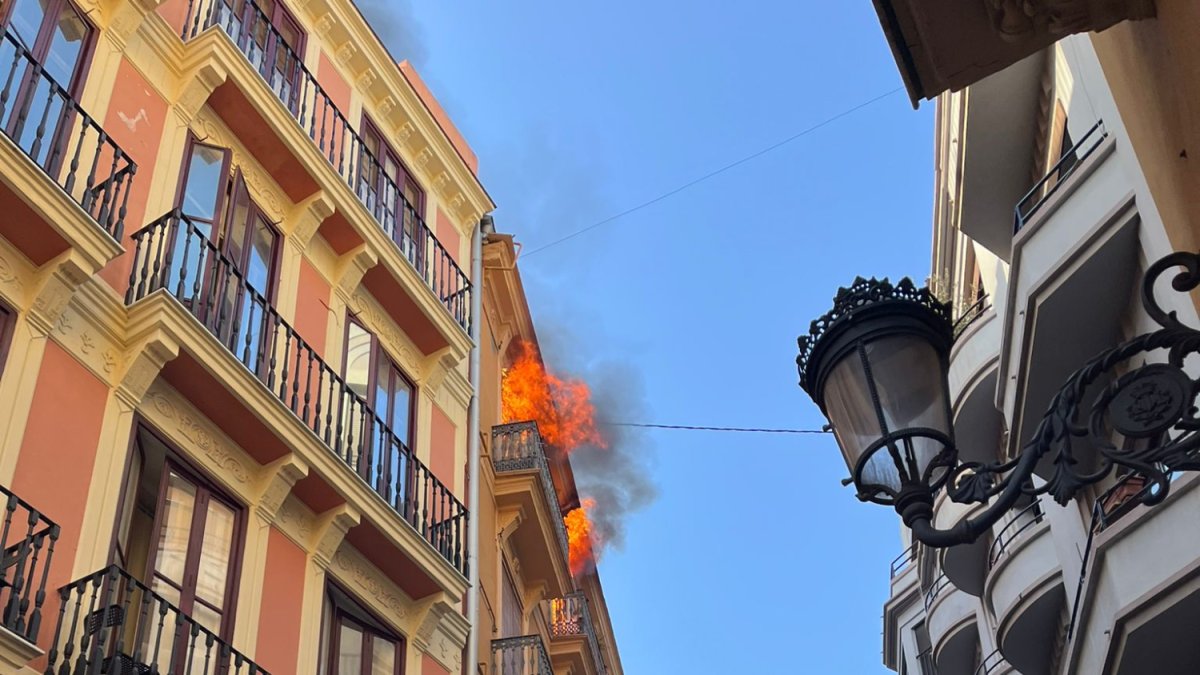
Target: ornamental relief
[
  {"x": 373, "y": 586},
  {"x": 296, "y": 520},
  {"x": 84, "y": 340},
  {"x": 263, "y": 190},
  {"x": 395, "y": 341},
  {"x": 204, "y": 440}
]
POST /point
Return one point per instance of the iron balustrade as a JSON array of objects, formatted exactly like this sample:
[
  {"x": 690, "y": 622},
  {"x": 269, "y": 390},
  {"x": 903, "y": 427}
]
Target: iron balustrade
[
  {"x": 1105, "y": 511},
  {"x": 925, "y": 662},
  {"x": 109, "y": 622},
  {"x": 174, "y": 254},
  {"x": 991, "y": 663},
  {"x": 1058, "y": 174},
  {"x": 45, "y": 121},
  {"x": 971, "y": 314},
  {"x": 517, "y": 447},
  {"x": 525, "y": 655},
  {"x": 571, "y": 616},
  {"x": 903, "y": 561},
  {"x": 940, "y": 584},
  {"x": 1026, "y": 518},
  {"x": 27, "y": 540},
  {"x": 298, "y": 90}
]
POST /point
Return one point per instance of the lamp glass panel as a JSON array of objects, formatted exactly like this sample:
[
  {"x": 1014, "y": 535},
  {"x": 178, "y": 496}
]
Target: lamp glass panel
[
  {"x": 850, "y": 409},
  {"x": 910, "y": 382}
]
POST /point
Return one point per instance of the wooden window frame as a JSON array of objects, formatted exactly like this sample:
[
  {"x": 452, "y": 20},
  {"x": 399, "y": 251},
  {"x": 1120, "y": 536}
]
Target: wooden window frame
[
  {"x": 377, "y": 351},
  {"x": 185, "y": 170},
  {"x": 331, "y": 632},
  {"x": 42, "y": 42},
  {"x": 368, "y": 126}
]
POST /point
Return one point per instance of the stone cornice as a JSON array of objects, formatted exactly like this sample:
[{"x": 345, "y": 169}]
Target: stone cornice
[{"x": 393, "y": 101}]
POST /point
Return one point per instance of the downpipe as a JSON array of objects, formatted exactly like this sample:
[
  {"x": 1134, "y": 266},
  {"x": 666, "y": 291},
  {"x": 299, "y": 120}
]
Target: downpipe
[{"x": 483, "y": 228}]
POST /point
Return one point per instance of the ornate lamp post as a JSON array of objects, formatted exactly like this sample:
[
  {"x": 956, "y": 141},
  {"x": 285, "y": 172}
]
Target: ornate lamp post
[{"x": 877, "y": 364}]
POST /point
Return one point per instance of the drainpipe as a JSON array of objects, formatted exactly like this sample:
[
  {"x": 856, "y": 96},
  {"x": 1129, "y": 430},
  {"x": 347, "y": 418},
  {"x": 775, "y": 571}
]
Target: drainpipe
[{"x": 484, "y": 228}]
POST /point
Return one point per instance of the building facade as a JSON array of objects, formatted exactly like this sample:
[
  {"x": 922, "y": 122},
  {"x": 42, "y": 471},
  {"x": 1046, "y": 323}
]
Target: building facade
[
  {"x": 234, "y": 277},
  {"x": 538, "y": 616},
  {"x": 1047, "y": 213}
]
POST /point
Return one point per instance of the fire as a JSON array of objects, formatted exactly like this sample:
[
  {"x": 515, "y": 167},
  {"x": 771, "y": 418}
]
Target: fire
[
  {"x": 581, "y": 537},
  {"x": 562, "y": 408},
  {"x": 566, "y": 419}
]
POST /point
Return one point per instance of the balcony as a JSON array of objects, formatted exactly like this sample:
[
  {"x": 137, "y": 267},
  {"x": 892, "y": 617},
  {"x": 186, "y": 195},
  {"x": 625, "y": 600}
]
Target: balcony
[
  {"x": 298, "y": 95},
  {"x": 524, "y": 655},
  {"x": 570, "y": 622},
  {"x": 67, "y": 183},
  {"x": 173, "y": 258},
  {"x": 1140, "y": 598},
  {"x": 523, "y": 484},
  {"x": 951, "y": 621},
  {"x": 1025, "y": 591},
  {"x": 993, "y": 664},
  {"x": 27, "y": 541},
  {"x": 109, "y": 622}
]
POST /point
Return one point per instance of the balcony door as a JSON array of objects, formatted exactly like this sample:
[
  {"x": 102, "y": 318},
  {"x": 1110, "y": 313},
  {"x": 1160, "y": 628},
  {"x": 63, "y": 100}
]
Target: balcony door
[
  {"x": 385, "y": 430},
  {"x": 54, "y": 34},
  {"x": 390, "y": 193},
  {"x": 272, "y": 40},
  {"x": 354, "y": 642},
  {"x": 250, "y": 241}
]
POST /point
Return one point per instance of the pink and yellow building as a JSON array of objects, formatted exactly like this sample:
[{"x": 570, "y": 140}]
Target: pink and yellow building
[{"x": 235, "y": 311}]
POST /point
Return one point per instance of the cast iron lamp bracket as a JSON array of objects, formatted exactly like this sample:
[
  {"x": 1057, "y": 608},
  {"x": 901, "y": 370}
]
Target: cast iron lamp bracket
[{"x": 1150, "y": 407}]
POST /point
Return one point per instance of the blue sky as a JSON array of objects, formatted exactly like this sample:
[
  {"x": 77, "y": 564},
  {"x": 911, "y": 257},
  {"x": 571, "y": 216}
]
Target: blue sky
[{"x": 752, "y": 558}]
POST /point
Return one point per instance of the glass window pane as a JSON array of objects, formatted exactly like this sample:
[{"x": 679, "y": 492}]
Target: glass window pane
[
  {"x": 358, "y": 359},
  {"x": 401, "y": 398},
  {"x": 26, "y": 21},
  {"x": 260, "y": 257},
  {"x": 204, "y": 182},
  {"x": 213, "y": 572},
  {"x": 66, "y": 46},
  {"x": 383, "y": 656},
  {"x": 176, "y": 529},
  {"x": 350, "y": 651}
]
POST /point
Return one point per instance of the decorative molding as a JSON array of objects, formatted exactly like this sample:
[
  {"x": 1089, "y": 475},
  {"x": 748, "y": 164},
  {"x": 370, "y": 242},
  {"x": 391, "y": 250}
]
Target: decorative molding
[
  {"x": 198, "y": 86},
  {"x": 345, "y": 53},
  {"x": 263, "y": 190},
  {"x": 397, "y": 344},
  {"x": 441, "y": 180},
  {"x": 295, "y": 516},
  {"x": 1019, "y": 20},
  {"x": 442, "y": 634},
  {"x": 331, "y": 529},
  {"x": 202, "y": 435},
  {"x": 352, "y": 266},
  {"x": 143, "y": 364},
  {"x": 324, "y": 24},
  {"x": 366, "y": 78},
  {"x": 56, "y": 283},
  {"x": 423, "y": 157},
  {"x": 372, "y": 585},
  {"x": 307, "y": 217},
  {"x": 385, "y": 107},
  {"x": 282, "y": 475}
]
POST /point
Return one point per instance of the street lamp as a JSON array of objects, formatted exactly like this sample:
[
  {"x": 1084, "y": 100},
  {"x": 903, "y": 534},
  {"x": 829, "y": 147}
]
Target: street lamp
[{"x": 877, "y": 365}]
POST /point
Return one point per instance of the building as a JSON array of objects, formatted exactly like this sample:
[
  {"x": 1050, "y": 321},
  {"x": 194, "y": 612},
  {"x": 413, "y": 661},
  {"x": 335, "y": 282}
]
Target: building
[
  {"x": 1048, "y": 211},
  {"x": 538, "y": 615},
  {"x": 236, "y": 334}
]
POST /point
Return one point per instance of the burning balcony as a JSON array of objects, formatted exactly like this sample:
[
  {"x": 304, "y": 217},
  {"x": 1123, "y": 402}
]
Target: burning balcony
[
  {"x": 66, "y": 181},
  {"x": 524, "y": 655},
  {"x": 270, "y": 52},
  {"x": 110, "y": 622},
  {"x": 174, "y": 258},
  {"x": 523, "y": 484},
  {"x": 27, "y": 541},
  {"x": 570, "y": 623}
]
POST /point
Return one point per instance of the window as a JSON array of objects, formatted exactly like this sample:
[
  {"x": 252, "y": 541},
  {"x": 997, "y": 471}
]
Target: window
[
  {"x": 228, "y": 231},
  {"x": 354, "y": 642},
  {"x": 390, "y": 398},
  {"x": 272, "y": 40},
  {"x": 512, "y": 615},
  {"x": 54, "y": 34},
  {"x": 389, "y": 191},
  {"x": 181, "y": 537}
]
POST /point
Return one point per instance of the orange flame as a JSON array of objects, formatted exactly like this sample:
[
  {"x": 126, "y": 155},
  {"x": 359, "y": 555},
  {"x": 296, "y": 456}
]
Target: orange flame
[
  {"x": 581, "y": 537},
  {"x": 562, "y": 408}
]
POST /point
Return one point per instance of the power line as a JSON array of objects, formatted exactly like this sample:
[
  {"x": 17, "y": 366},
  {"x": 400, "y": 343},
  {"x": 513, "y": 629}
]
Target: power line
[
  {"x": 690, "y": 427},
  {"x": 712, "y": 174}
]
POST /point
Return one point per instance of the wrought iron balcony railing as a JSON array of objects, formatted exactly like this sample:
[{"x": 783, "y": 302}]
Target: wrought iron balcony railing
[
  {"x": 1066, "y": 165},
  {"x": 517, "y": 447},
  {"x": 991, "y": 663},
  {"x": 174, "y": 255},
  {"x": 26, "y": 549},
  {"x": 45, "y": 121},
  {"x": 971, "y": 314},
  {"x": 1009, "y": 534},
  {"x": 569, "y": 616},
  {"x": 284, "y": 72},
  {"x": 940, "y": 584},
  {"x": 109, "y": 622},
  {"x": 524, "y": 655},
  {"x": 925, "y": 662},
  {"x": 903, "y": 561}
]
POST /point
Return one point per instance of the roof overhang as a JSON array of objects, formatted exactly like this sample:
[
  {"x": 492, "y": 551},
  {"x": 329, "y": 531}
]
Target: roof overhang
[{"x": 942, "y": 45}]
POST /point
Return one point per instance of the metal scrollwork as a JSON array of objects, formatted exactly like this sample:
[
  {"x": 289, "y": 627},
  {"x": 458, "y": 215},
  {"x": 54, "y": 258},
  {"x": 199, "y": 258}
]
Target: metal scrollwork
[{"x": 1150, "y": 409}]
